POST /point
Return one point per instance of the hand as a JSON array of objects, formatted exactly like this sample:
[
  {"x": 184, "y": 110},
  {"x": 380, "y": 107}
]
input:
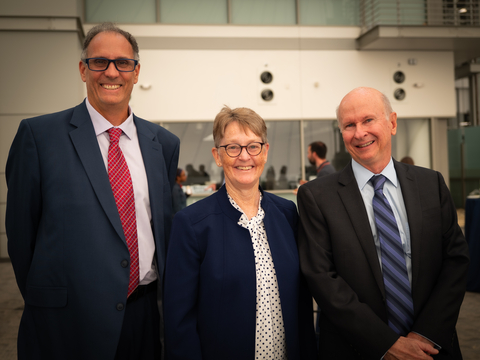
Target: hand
[
  {"x": 415, "y": 336},
  {"x": 301, "y": 182},
  {"x": 211, "y": 186},
  {"x": 410, "y": 348}
]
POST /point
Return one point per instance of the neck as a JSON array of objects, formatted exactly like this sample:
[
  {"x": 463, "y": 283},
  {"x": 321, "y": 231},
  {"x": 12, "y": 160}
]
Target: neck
[
  {"x": 247, "y": 198},
  {"x": 376, "y": 168},
  {"x": 320, "y": 161},
  {"x": 114, "y": 116}
]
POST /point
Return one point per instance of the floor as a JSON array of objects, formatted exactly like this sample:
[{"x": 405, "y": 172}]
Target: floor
[{"x": 11, "y": 305}]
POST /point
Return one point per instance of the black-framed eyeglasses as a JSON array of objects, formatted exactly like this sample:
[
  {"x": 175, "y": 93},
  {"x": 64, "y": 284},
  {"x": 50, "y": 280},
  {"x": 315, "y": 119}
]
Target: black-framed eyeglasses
[
  {"x": 102, "y": 64},
  {"x": 234, "y": 150}
]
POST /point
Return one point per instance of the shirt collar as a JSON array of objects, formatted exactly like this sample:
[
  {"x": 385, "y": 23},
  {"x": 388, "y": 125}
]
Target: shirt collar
[
  {"x": 101, "y": 125},
  {"x": 362, "y": 175}
]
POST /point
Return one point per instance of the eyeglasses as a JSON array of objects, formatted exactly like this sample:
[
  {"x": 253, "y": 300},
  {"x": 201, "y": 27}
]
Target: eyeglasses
[
  {"x": 102, "y": 64},
  {"x": 234, "y": 150}
]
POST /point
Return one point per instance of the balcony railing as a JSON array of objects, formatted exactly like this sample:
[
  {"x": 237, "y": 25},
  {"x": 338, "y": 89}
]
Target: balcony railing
[{"x": 419, "y": 12}]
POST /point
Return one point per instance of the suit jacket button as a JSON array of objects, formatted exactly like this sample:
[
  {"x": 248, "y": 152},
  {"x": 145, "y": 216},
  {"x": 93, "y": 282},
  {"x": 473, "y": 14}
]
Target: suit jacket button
[
  {"x": 124, "y": 263},
  {"x": 120, "y": 306}
]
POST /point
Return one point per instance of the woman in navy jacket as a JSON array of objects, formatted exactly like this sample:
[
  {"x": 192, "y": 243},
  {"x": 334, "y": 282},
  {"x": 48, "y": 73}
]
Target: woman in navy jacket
[{"x": 233, "y": 287}]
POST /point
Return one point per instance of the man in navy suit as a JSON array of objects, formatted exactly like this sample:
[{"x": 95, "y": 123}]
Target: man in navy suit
[
  {"x": 65, "y": 234},
  {"x": 347, "y": 266}
]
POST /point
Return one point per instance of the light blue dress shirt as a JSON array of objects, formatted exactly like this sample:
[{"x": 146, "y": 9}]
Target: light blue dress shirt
[{"x": 393, "y": 193}]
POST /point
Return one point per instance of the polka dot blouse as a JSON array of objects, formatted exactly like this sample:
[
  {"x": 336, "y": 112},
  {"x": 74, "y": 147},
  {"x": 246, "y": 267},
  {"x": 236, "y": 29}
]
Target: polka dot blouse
[{"x": 270, "y": 332}]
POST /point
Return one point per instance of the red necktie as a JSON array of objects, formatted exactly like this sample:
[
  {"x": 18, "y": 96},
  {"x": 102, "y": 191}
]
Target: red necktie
[{"x": 121, "y": 183}]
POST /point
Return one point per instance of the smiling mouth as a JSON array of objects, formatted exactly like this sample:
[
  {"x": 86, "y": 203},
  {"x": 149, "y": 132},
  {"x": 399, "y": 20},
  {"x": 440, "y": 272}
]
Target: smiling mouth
[
  {"x": 244, "y": 167},
  {"x": 110, "y": 86},
  {"x": 365, "y": 145}
]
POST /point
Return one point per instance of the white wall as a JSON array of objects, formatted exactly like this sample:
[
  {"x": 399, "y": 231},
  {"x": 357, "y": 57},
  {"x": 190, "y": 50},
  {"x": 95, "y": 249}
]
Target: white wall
[{"x": 194, "y": 84}]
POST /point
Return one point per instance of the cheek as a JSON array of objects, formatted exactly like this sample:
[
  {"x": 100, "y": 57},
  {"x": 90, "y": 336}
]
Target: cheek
[{"x": 347, "y": 137}]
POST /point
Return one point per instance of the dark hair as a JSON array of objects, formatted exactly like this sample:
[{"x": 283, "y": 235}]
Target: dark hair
[
  {"x": 179, "y": 172},
  {"x": 407, "y": 160},
  {"x": 319, "y": 148},
  {"x": 109, "y": 27}
]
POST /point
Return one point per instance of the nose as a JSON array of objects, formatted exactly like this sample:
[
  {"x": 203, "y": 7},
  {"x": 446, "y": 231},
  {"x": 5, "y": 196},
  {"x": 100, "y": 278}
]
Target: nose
[
  {"x": 111, "y": 70},
  {"x": 244, "y": 155},
  {"x": 359, "y": 132}
]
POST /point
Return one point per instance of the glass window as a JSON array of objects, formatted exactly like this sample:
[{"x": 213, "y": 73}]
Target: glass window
[
  {"x": 326, "y": 131},
  {"x": 120, "y": 11},
  {"x": 263, "y": 12},
  {"x": 413, "y": 139},
  {"x": 464, "y": 163},
  {"x": 329, "y": 12},
  {"x": 193, "y": 11},
  {"x": 394, "y": 12},
  {"x": 283, "y": 168},
  {"x": 196, "y": 143}
]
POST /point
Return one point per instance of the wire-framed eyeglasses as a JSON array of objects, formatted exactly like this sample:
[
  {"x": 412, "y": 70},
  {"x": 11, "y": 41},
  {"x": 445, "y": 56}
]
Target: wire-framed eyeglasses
[
  {"x": 234, "y": 150},
  {"x": 102, "y": 64}
]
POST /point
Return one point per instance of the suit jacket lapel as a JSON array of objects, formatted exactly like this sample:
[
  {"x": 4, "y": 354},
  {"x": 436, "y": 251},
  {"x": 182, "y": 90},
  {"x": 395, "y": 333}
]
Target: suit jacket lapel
[
  {"x": 411, "y": 198},
  {"x": 353, "y": 202},
  {"x": 86, "y": 145}
]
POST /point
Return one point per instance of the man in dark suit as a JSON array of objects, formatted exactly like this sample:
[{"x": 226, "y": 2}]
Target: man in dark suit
[
  {"x": 88, "y": 249},
  {"x": 347, "y": 257}
]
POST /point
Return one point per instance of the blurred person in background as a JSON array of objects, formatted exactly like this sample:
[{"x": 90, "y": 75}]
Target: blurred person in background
[{"x": 179, "y": 197}]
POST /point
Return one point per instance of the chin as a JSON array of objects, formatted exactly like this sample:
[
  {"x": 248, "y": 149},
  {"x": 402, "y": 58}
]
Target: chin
[{"x": 246, "y": 182}]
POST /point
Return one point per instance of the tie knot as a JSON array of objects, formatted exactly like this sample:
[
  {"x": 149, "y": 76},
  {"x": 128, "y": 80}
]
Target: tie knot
[
  {"x": 114, "y": 134},
  {"x": 378, "y": 181}
]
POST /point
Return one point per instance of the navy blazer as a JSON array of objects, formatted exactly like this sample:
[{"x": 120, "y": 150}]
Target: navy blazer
[
  {"x": 65, "y": 237},
  {"x": 210, "y": 282},
  {"x": 340, "y": 261}
]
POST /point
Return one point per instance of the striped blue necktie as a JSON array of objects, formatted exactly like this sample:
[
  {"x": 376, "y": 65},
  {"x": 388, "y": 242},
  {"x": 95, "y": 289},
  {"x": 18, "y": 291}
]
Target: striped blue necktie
[{"x": 395, "y": 276}]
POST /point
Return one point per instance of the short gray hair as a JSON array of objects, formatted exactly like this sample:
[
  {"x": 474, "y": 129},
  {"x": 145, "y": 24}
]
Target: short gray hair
[
  {"x": 246, "y": 119},
  {"x": 109, "y": 27}
]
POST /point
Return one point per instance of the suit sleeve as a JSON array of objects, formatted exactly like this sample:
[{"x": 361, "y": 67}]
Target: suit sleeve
[
  {"x": 23, "y": 202},
  {"x": 355, "y": 320},
  {"x": 182, "y": 275},
  {"x": 437, "y": 318}
]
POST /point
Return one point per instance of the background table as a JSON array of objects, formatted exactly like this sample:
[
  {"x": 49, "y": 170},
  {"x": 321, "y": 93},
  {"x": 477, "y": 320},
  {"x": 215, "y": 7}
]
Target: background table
[{"x": 472, "y": 233}]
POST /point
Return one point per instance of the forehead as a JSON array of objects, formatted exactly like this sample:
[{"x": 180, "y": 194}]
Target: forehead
[
  {"x": 358, "y": 108},
  {"x": 110, "y": 45},
  {"x": 234, "y": 131}
]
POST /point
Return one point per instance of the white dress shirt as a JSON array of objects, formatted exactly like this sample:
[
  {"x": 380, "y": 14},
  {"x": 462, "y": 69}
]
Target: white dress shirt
[{"x": 133, "y": 156}]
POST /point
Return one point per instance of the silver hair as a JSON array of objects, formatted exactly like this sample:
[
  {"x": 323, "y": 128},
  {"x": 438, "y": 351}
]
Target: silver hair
[{"x": 109, "y": 27}]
